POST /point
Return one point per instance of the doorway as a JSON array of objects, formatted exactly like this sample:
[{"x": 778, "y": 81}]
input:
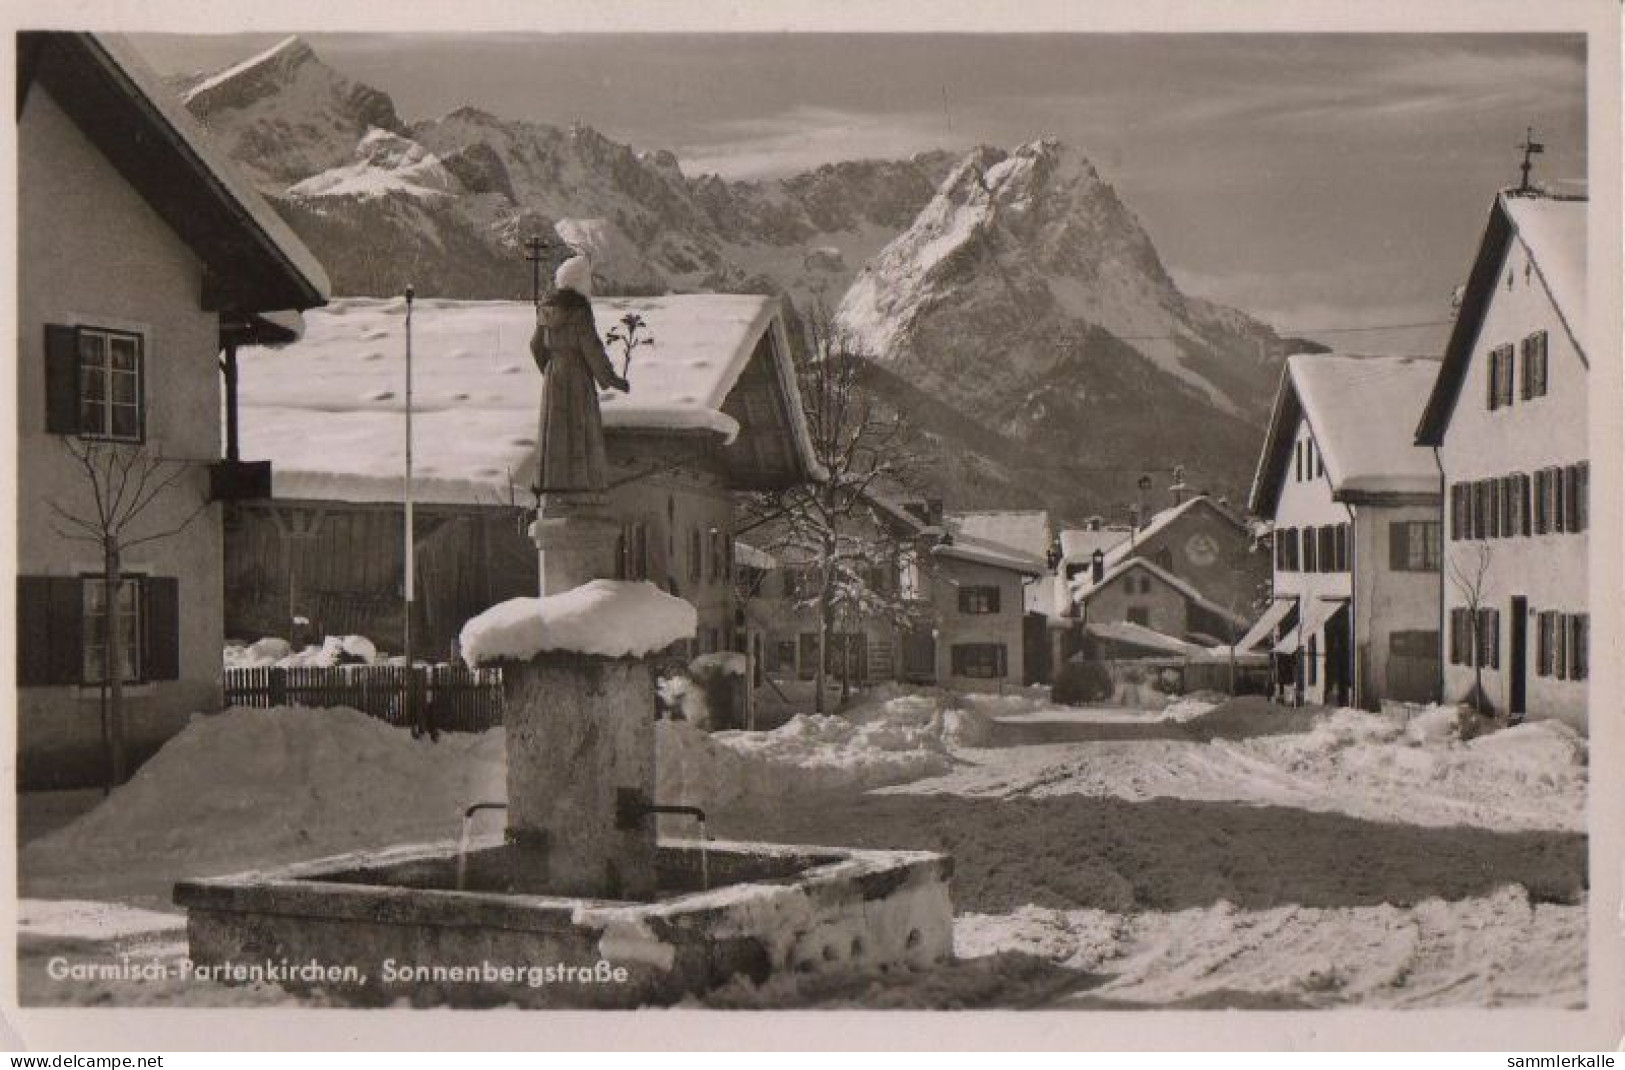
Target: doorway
[
  {"x": 1518, "y": 618},
  {"x": 1339, "y": 687}
]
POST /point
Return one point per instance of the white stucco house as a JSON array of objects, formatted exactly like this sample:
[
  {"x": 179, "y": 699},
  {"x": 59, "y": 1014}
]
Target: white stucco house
[
  {"x": 142, "y": 259},
  {"x": 1506, "y": 423},
  {"x": 1355, "y": 511}
]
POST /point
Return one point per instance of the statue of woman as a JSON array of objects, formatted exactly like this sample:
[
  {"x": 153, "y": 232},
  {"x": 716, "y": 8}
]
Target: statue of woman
[{"x": 570, "y": 355}]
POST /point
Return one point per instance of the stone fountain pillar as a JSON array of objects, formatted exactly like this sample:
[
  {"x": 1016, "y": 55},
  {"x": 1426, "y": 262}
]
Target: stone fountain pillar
[{"x": 581, "y": 732}]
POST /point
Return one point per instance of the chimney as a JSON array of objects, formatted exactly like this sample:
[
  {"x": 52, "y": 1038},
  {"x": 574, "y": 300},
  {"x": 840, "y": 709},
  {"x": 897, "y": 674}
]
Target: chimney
[
  {"x": 1097, "y": 570},
  {"x": 1093, "y": 523},
  {"x": 933, "y": 512}
]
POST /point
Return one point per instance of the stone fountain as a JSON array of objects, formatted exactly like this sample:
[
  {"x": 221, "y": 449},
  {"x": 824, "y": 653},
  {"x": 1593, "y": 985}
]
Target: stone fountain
[{"x": 578, "y": 904}]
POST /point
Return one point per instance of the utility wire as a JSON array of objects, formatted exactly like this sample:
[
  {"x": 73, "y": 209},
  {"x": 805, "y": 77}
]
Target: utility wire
[{"x": 1297, "y": 331}]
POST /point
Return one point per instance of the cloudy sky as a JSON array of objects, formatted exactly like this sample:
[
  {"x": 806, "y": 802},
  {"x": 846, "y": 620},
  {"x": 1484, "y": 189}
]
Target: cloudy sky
[{"x": 1315, "y": 180}]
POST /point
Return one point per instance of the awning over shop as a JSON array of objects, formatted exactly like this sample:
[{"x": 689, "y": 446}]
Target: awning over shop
[{"x": 1266, "y": 626}]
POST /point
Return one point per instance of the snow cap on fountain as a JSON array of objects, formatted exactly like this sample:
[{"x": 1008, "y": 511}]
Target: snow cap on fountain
[{"x": 607, "y": 618}]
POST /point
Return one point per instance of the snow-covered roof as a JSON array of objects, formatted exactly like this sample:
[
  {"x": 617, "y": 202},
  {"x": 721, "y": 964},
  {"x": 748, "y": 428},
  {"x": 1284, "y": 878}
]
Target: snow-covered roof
[
  {"x": 1124, "y": 631},
  {"x": 1126, "y": 547},
  {"x": 751, "y": 557},
  {"x": 1361, "y": 412},
  {"x": 1552, "y": 229},
  {"x": 327, "y": 411},
  {"x": 987, "y": 552},
  {"x": 1080, "y": 544},
  {"x": 1024, "y": 530},
  {"x": 1084, "y": 587},
  {"x": 125, "y": 109}
]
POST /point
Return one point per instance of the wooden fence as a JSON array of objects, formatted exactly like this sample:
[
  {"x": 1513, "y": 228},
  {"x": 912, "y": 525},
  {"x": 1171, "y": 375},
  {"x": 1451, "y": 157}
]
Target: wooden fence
[{"x": 456, "y": 699}]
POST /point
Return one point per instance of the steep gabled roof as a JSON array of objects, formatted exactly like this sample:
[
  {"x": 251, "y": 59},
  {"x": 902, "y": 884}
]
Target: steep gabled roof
[
  {"x": 1360, "y": 411},
  {"x": 1552, "y": 231},
  {"x": 988, "y": 552},
  {"x": 1159, "y": 522},
  {"x": 255, "y": 262},
  {"x": 327, "y": 409}
]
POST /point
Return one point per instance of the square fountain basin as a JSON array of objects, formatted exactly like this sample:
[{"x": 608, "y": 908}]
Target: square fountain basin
[{"x": 389, "y": 924}]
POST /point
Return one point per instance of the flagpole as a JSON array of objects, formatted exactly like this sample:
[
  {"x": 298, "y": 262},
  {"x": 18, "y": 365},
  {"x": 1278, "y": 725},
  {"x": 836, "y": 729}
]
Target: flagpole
[{"x": 411, "y": 564}]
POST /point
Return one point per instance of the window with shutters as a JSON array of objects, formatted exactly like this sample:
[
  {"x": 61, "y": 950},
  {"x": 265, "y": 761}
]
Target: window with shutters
[
  {"x": 978, "y": 601},
  {"x": 982, "y": 661},
  {"x": 1140, "y": 615},
  {"x": 1341, "y": 548},
  {"x": 62, "y": 633},
  {"x": 94, "y": 383},
  {"x": 1413, "y": 546},
  {"x": 1489, "y": 638},
  {"x": 1499, "y": 377},
  {"x": 1311, "y": 563}
]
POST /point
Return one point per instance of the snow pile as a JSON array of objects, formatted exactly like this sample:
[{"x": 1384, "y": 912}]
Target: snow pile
[
  {"x": 727, "y": 662},
  {"x": 258, "y": 787},
  {"x": 608, "y": 618},
  {"x": 1189, "y": 708},
  {"x": 811, "y": 753},
  {"x": 1530, "y": 776},
  {"x": 1519, "y": 953},
  {"x": 278, "y": 653}
]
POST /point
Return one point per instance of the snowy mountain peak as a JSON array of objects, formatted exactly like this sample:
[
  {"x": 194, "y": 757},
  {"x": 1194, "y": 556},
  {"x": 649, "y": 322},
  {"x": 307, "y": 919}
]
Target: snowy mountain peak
[{"x": 253, "y": 79}]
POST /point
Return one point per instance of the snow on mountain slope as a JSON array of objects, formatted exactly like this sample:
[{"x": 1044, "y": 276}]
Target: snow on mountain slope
[
  {"x": 1036, "y": 240},
  {"x": 385, "y": 163}
]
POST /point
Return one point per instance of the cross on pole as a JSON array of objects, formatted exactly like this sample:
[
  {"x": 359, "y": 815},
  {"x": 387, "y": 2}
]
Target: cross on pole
[
  {"x": 535, "y": 246},
  {"x": 1530, "y": 147}
]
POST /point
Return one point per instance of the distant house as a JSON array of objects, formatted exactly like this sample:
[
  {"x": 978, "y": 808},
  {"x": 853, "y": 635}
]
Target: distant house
[
  {"x": 862, "y": 650},
  {"x": 713, "y": 411},
  {"x": 1192, "y": 572},
  {"x": 978, "y": 588},
  {"x": 1355, "y": 512},
  {"x": 1142, "y": 593},
  {"x": 141, "y": 257},
  {"x": 1506, "y": 421}
]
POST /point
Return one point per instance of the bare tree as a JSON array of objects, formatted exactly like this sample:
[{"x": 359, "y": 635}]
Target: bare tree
[
  {"x": 125, "y": 483},
  {"x": 1468, "y": 572},
  {"x": 831, "y": 529}
]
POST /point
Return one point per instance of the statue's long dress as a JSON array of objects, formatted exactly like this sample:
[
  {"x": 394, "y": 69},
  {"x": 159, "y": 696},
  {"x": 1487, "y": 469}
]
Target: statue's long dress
[{"x": 571, "y": 357}]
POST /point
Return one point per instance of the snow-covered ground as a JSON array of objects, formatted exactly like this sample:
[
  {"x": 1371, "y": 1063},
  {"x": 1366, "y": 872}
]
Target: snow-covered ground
[{"x": 1239, "y": 856}]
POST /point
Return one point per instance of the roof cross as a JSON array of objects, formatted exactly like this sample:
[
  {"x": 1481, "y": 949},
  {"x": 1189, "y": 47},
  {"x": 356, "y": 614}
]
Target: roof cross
[{"x": 1530, "y": 147}]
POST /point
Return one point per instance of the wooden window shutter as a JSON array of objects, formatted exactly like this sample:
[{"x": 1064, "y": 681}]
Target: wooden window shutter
[
  {"x": 61, "y": 379},
  {"x": 163, "y": 627},
  {"x": 50, "y": 630},
  {"x": 1582, "y": 495},
  {"x": 1492, "y": 378}
]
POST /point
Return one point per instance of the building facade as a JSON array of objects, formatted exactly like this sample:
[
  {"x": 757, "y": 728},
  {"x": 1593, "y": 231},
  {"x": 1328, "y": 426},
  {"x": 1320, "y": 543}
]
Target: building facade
[
  {"x": 140, "y": 255},
  {"x": 1355, "y": 517},
  {"x": 1506, "y": 419}
]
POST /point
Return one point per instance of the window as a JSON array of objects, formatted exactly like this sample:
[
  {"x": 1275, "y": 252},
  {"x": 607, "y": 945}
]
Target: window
[
  {"x": 1460, "y": 512},
  {"x": 696, "y": 556},
  {"x": 1533, "y": 379},
  {"x": 1310, "y": 545},
  {"x": 632, "y": 552},
  {"x": 126, "y": 629},
  {"x": 1326, "y": 552},
  {"x": 978, "y": 600},
  {"x": 1461, "y": 637},
  {"x": 1489, "y": 638},
  {"x": 1413, "y": 546},
  {"x": 982, "y": 661},
  {"x": 1500, "y": 377},
  {"x": 1297, "y": 460},
  {"x": 1286, "y": 549},
  {"x": 782, "y": 655},
  {"x": 1340, "y": 548},
  {"x": 93, "y": 383},
  {"x": 1140, "y": 615},
  {"x": 62, "y": 637},
  {"x": 719, "y": 556}
]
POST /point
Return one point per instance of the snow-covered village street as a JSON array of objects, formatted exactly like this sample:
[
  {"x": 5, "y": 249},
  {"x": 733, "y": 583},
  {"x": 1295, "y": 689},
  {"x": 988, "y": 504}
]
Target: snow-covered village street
[{"x": 1238, "y": 856}]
